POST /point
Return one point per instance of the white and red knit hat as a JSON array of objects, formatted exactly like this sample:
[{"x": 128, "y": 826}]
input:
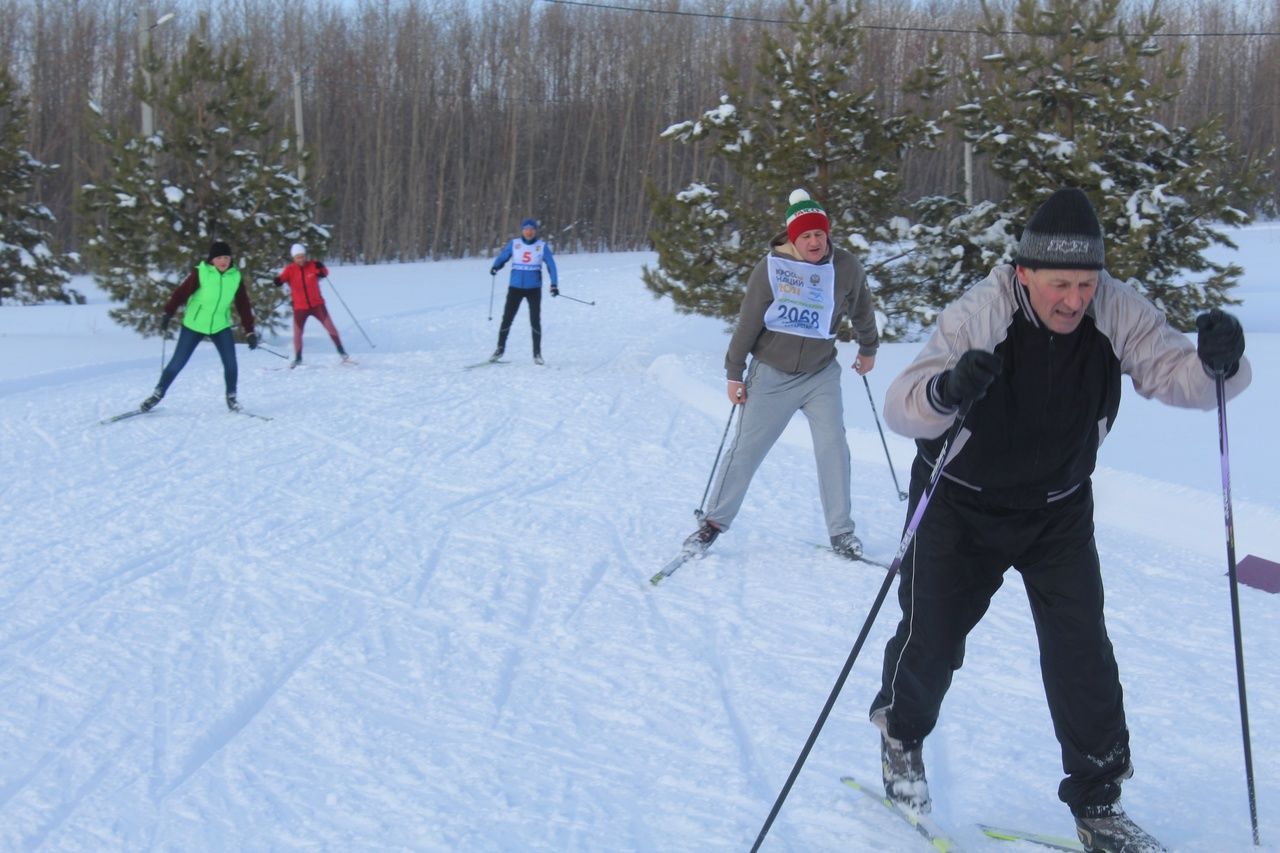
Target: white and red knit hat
[{"x": 805, "y": 214}]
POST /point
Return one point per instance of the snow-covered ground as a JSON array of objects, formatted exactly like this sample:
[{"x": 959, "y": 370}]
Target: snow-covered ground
[{"x": 412, "y": 611}]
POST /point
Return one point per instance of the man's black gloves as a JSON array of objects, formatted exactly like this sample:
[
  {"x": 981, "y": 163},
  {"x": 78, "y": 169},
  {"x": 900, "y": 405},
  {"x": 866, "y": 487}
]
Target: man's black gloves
[
  {"x": 1219, "y": 342},
  {"x": 252, "y": 340},
  {"x": 969, "y": 379}
]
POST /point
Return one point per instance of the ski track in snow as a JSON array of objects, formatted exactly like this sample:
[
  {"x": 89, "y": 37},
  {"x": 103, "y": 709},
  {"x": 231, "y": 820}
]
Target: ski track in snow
[{"x": 413, "y": 610}]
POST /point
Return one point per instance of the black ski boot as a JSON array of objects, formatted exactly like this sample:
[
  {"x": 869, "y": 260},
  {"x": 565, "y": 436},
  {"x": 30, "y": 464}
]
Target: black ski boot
[
  {"x": 150, "y": 403},
  {"x": 497, "y": 354},
  {"x": 700, "y": 540},
  {"x": 1107, "y": 829},
  {"x": 902, "y": 769},
  {"x": 847, "y": 545},
  {"x": 232, "y": 404},
  {"x": 297, "y": 361},
  {"x": 537, "y": 358}
]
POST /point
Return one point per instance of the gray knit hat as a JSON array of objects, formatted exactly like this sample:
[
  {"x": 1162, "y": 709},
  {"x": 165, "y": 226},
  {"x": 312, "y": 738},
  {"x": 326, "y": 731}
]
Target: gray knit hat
[{"x": 1064, "y": 234}]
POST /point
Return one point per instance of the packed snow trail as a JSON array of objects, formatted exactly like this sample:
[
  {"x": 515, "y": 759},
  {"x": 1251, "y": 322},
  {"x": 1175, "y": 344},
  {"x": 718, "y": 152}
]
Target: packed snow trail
[{"x": 413, "y": 610}]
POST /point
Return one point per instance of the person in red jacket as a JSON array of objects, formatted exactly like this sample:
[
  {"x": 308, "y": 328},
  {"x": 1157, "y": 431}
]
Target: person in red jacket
[{"x": 303, "y": 277}]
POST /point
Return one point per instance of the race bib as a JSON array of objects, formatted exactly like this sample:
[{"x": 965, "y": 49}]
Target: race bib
[
  {"x": 804, "y": 298},
  {"x": 525, "y": 256}
]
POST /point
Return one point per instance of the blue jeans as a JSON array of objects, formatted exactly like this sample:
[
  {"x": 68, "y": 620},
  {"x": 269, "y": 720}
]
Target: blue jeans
[{"x": 187, "y": 340}]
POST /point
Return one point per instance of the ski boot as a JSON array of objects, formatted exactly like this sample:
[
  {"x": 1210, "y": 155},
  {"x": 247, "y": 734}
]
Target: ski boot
[
  {"x": 232, "y": 405},
  {"x": 847, "y": 545},
  {"x": 1107, "y": 829},
  {"x": 537, "y": 359},
  {"x": 497, "y": 354},
  {"x": 903, "y": 769},
  {"x": 700, "y": 540},
  {"x": 150, "y": 403},
  {"x": 297, "y": 361}
]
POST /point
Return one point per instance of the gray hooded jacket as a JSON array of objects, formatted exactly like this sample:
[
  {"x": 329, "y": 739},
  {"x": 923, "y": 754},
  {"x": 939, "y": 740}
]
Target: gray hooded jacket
[{"x": 793, "y": 353}]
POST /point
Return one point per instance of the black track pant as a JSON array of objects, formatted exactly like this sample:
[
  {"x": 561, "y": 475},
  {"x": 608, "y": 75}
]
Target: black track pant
[
  {"x": 514, "y": 295},
  {"x": 957, "y": 561}
]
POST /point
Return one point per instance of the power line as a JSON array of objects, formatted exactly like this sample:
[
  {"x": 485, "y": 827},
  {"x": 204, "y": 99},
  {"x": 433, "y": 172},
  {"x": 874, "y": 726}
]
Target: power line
[{"x": 749, "y": 19}]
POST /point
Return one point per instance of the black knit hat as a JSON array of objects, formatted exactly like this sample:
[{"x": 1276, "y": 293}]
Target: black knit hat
[
  {"x": 1064, "y": 235},
  {"x": 218, "y": 249}
]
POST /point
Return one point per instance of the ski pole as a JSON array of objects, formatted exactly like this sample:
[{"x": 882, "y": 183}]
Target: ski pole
[
  {"x": 1235, "y": 597},
  {"x": 575, "y": 299},
  {"x": 493, "y": 281},
  {"x": 902, "y": 496},
  {"x": 273, "y": 352},
  {"x": 164, "y": 348},
  {"x": 866, "y": 626},
  {"x": 698, "y": 513},
  {"x": 353, "y": 316}
]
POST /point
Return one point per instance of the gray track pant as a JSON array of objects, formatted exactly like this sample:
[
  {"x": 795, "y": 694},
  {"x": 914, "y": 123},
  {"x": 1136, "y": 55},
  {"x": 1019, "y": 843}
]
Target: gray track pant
[{"x": 772, "y": 398}]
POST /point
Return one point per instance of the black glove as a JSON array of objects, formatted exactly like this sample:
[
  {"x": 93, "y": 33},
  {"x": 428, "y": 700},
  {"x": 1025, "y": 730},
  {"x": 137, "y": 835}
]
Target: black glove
[
  {"x": 555, "y": 291},
  {"x": 1219, "y": 342},
  {"x": 493, "y": 270},
  {"x": 969, "y": 379},
  {"x": 321, "y": 270},
  {"x": 252, "y": 339},
  {"x": 165, "y": 321},
  {"x": 278, "y": 281}
]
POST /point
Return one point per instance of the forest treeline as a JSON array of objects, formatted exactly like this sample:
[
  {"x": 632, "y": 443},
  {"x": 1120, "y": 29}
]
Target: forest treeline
[{"x": 436, "y": 125}]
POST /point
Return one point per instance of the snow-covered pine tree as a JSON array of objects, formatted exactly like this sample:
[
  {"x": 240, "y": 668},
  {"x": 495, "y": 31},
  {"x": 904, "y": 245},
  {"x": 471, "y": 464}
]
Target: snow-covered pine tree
[
  {"x": 810, "y": 122},
  {"x": 214, "y": 170},
  {"x": 30, "y": 271},
  {"x": 1073, "y": 103}
]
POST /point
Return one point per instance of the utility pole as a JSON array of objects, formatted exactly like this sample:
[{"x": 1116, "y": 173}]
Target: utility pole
[
  {"x": 968, "y": 174},
  {"x": 297, "y": 123},
  {"x": 144, "y": 62},
  {"x": 144, "y": 53}
]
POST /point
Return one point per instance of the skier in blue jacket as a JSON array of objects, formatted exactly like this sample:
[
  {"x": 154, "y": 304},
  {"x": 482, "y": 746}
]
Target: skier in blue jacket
[{"x": 527, "y": 254}]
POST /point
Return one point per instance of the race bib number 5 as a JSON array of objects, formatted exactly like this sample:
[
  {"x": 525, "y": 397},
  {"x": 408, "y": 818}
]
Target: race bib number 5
[{"x": 526, "y": 257}]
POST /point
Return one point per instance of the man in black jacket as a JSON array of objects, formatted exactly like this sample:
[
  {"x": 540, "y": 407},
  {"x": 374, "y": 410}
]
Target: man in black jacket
[{"x": 1034, "y": 356}]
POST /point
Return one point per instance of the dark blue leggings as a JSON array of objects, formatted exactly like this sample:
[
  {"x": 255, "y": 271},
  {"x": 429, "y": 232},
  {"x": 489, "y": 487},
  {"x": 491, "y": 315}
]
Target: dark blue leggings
[{"x": 187, "y": 340}]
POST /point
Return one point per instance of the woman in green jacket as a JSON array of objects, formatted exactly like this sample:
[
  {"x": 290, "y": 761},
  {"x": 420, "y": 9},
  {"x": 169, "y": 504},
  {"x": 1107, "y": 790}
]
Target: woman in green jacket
[{"x": 208, "y": 292}]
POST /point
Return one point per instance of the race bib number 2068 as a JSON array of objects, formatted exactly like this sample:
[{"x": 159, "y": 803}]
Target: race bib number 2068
[{"x": 803, "y": 298}]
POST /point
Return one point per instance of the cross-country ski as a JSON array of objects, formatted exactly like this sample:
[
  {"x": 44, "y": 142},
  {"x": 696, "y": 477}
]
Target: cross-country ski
[
  {"x": 132, "y": 413},
  {"x": 1053, "y": 842},
  {"x": 924, "y": 825}
]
